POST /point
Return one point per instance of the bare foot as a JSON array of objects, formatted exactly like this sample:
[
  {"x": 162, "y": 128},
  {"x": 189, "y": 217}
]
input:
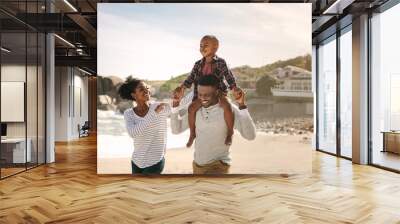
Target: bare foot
[
  {"x": 190, "y": 141},
  {"x": 228, "y": 140}
]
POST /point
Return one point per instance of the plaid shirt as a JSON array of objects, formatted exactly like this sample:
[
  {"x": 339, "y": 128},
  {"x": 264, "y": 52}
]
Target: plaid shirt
[{"x": 220, "y": 70}]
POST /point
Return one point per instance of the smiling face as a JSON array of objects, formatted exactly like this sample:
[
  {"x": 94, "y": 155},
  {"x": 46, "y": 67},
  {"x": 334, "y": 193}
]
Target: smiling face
[
  {"x": 141, "y": 93},
  {"x": 208, "y": 47},
  {"x": 208, "y": 95}
]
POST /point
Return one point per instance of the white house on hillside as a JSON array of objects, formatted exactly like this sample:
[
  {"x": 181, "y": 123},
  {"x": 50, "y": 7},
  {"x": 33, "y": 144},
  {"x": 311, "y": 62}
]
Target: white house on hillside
[{"x": 293, "y": 82}]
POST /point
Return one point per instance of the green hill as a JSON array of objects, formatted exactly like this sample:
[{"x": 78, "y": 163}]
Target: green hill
[
  {"x": 173, "y": 83},
  {"x": 247, "y": 73},
  {"x": 300, "y": 61}
]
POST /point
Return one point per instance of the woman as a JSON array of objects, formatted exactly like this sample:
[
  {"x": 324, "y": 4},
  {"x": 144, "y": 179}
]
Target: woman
[{"x": 146, "y": 123}]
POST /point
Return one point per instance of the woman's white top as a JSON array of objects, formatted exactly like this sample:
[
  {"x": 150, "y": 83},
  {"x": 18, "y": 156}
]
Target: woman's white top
[{"x": 149, "y": 133}]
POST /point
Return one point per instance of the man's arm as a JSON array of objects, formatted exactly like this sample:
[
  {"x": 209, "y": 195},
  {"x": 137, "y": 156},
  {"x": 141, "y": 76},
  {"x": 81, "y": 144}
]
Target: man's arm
[{"x": 244, "y": 123}]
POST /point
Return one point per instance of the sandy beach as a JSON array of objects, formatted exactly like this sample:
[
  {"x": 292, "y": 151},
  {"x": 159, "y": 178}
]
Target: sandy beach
[{"x": 267, "y": 154}]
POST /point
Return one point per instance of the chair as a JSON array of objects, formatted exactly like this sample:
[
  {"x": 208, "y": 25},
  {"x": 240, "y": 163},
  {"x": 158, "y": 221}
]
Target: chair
[{"x": 84, "y": 130}]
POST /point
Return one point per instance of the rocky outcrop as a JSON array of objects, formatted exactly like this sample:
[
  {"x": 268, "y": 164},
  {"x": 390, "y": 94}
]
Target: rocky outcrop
[{"x": 291, "y": 126}]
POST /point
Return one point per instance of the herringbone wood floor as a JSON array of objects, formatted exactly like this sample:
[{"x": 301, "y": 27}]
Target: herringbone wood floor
[{"x": 70, "y": 191}]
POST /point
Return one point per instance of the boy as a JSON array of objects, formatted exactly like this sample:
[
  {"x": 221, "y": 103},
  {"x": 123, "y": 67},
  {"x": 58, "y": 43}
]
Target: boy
[{"x": 210, "y": 64}]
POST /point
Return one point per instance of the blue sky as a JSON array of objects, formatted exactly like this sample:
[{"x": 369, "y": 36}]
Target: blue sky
[{"x": 156, "y": 41}]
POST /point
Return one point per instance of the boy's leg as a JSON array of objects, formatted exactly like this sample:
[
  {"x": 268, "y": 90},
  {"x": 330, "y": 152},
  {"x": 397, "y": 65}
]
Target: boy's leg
[
  {"x": 229, "y": 118},
  {"x": 192, "y": 110}
]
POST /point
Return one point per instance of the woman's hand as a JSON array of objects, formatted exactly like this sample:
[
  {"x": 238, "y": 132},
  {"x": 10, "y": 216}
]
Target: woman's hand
[
  {"x": 160, "y": 107},
  {"x": 177, "y": 95},
  {"x": 179, "y": 92}
]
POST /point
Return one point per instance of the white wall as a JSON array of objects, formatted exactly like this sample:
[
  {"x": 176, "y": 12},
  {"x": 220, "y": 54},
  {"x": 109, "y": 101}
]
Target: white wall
[
  {"x": 70, "y": 83},
  {"x": 33, "y": 126},
  {"x": 12, "y": 101},
  {"x": 61, "y": 103},
  {"x": 15, "y": 73},
  {"x": 80, "y": 118}
]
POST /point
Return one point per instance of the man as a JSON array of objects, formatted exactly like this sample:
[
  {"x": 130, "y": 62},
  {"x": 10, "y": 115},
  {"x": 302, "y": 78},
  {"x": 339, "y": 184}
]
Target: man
[{"x": 211, "y": 154}]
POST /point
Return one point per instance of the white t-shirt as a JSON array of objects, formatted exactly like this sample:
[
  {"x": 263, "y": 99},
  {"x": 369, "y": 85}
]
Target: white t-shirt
[
  {"x": 211, "y": 131},
  {"x": 149, "y": 133}
]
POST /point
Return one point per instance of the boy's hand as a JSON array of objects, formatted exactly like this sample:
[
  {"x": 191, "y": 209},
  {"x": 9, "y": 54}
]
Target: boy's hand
[
  {"x": 195, "y": 106},
  {"x": 160, "y": 107},
  {"x": 241, "y": 99}
]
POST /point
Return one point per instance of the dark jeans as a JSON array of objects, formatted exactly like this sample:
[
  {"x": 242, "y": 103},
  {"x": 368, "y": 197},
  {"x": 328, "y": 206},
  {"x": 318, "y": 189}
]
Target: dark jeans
[{"x": 154, "y": 169}]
